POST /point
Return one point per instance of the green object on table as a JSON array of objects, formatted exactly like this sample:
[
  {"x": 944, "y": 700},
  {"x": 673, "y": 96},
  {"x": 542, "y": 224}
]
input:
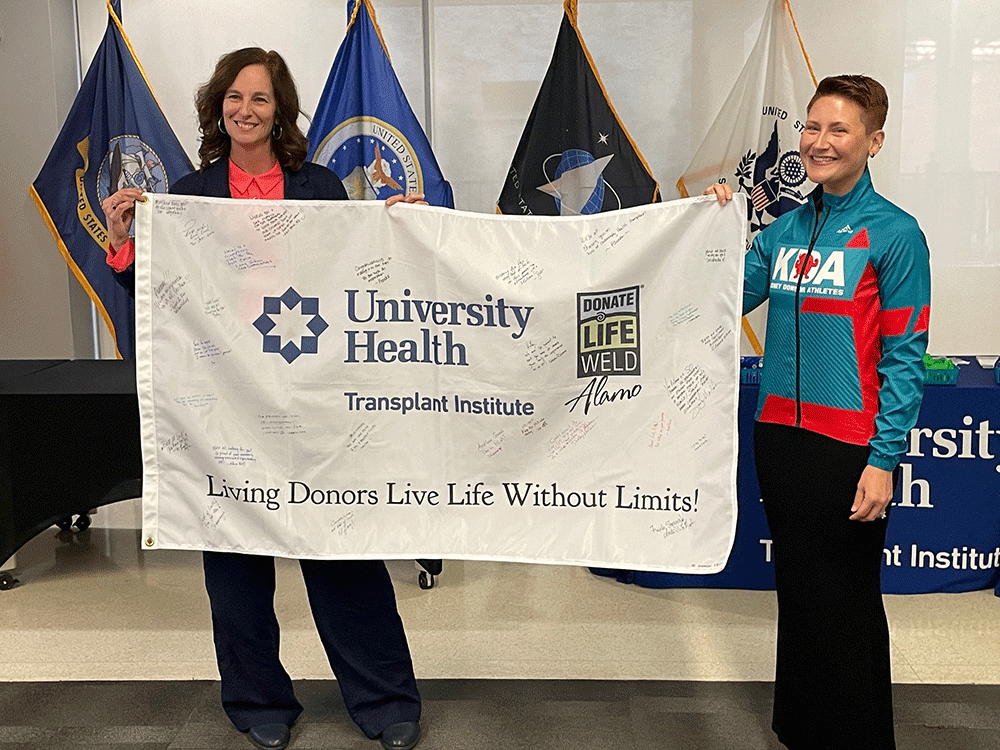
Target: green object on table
[
  {"x": 939, "y": 371},
  {"x": 938, "y": 363}
]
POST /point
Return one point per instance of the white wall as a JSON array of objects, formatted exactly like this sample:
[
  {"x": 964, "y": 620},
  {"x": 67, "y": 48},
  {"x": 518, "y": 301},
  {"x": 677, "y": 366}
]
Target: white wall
[{"x": 43, "y": 311}]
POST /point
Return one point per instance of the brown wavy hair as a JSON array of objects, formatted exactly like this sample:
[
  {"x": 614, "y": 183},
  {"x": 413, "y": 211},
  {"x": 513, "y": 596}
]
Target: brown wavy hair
[
  {"x": 291, "y": 147},
  {"x": 866, "y": 92}
]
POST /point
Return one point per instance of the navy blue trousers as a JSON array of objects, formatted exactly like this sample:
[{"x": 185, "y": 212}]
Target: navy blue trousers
[
  {"x": 354, "y": 607},
  {"x": 832, "y": 682}
]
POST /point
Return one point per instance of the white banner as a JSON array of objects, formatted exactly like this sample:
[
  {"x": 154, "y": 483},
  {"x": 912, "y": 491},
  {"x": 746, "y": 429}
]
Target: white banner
[{"x": 339, "y": 379}]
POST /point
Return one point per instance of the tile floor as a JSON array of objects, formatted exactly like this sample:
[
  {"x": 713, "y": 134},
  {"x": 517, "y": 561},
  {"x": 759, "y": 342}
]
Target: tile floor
[
  {"x": 92, "y": 607},
  {"x": 472, "y": 715}
]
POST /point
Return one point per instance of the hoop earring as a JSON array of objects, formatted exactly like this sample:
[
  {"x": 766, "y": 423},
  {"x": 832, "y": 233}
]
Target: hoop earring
[
  {"x": 276, "y": 131},
  {"x": 222, "y": 126}
]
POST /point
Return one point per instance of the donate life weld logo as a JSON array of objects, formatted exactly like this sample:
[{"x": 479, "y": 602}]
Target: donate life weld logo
[{"x": 608, "y": 333}]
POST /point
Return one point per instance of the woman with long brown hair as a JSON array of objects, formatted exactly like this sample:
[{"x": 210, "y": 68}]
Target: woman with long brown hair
[{"x": 252, "y": 148}]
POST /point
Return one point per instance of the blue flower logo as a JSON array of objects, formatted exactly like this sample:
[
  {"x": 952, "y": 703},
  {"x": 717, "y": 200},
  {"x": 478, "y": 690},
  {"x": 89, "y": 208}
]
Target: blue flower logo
[{"x": 308, "y": 307}]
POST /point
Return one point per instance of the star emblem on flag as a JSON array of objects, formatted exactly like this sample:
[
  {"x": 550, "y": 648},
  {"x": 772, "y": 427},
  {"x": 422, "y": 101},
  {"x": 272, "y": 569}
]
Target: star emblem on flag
[{"x": 579, "y": 183}]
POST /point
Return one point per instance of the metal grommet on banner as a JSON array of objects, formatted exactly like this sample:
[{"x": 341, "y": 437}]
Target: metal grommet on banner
[{"x": 150, "y": 541}]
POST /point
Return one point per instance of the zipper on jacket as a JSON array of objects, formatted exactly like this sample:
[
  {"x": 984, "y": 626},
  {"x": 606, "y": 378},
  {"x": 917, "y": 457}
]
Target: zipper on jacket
[{"x": 817, "y": 229}]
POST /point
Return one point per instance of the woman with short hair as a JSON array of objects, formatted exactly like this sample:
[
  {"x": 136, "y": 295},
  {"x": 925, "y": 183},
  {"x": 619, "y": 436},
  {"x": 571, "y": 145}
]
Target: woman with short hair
[{"x": 847, "y": 276}]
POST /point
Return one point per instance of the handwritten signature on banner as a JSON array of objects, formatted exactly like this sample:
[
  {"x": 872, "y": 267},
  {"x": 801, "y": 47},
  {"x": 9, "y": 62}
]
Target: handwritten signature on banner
[{"x": 536, "y": 390}]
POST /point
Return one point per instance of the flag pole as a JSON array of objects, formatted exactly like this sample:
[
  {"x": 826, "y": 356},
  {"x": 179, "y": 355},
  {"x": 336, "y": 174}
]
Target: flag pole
[
  {"x": 747, "y": 328},
  {"x": 95, "y": 316},
  {"x": 802, "y": 46}
]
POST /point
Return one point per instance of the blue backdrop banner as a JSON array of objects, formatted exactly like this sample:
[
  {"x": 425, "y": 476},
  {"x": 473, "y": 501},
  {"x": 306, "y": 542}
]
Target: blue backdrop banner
[{"x": 944, "y": 527}]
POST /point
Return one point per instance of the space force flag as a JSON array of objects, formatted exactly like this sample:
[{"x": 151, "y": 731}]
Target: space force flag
[
  {"x": 575, "y": 156},
  {"x": 753, "y": 143},
  {"x": 364, "y": 129},
  {"x": 115, "y": 136}
]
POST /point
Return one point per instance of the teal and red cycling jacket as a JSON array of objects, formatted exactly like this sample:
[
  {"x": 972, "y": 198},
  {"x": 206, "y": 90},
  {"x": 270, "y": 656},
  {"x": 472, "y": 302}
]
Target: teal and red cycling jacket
[{"x": 848, "y": 283}]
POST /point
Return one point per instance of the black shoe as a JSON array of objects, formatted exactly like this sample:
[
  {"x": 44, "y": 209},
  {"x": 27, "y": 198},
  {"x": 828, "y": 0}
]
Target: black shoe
[
  {"x": 402, "y": 736},
  {"x": 269, "y": 736}
]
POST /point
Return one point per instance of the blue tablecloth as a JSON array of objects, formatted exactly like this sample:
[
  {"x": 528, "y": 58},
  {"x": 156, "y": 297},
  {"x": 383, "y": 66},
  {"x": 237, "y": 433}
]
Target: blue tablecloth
[{"x": 944, "y": 526}]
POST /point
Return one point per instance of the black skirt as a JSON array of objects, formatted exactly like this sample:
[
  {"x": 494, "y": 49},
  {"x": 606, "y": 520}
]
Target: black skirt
[{"x": 832, "y": 686}]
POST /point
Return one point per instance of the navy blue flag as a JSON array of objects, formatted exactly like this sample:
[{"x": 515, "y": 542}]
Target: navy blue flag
[
  {"x": 575, "y": 156},
  {"x": 364, "y": 129},
  {"x": 115, "y": 136}
]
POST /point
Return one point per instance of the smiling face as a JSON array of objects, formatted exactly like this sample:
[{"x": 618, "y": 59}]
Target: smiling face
[
  {"x": 835, "y": 144},
  {"x": 248, "y": 109}
]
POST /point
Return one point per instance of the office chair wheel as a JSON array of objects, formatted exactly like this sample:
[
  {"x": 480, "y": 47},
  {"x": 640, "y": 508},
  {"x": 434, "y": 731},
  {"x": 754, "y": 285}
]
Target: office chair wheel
[
  {"x": 7, "y": 581},
  {"x": 65, "y": 524},
  {"x": 426, "y": 580},
  {"x": 83, "y": 522}
]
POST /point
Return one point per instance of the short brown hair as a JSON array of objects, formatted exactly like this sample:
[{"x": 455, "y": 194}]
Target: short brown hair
[
  {"x": 291, "y": 147},
  {"x": 866, "y": 92}
]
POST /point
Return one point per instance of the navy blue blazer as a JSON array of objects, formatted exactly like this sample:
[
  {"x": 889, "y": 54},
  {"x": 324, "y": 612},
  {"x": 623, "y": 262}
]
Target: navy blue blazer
[{"x": 311, "y": 182}]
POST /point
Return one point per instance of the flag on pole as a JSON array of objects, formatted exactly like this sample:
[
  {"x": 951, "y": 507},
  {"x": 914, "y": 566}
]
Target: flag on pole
[
  {"x": 364, "y": 129},
  {"x": 753, "y": 143},
  {"x": 115, "y": 136},
  {"x": 575, "y": 156}
]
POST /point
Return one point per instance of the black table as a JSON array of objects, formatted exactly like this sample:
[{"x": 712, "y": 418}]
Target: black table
[{"x": 69, "y": 442}]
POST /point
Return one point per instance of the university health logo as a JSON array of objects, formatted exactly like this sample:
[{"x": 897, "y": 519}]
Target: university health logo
[
  {"x": 282, "y": 310},
  {"x": 130, "y": 163},
  {"x": 608, "y": 333},
  {"x": 372, "y": 158},
  {"x": 771, "y": 181}
]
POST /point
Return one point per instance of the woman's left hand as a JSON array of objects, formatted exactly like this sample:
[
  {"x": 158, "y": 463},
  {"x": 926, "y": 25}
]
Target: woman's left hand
[
  {"x": 119, "y": 210},
  {"x": 722, "y": 192},
  {"x": 874, "y": 494},
  {"x": 408, "y": 198}
]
